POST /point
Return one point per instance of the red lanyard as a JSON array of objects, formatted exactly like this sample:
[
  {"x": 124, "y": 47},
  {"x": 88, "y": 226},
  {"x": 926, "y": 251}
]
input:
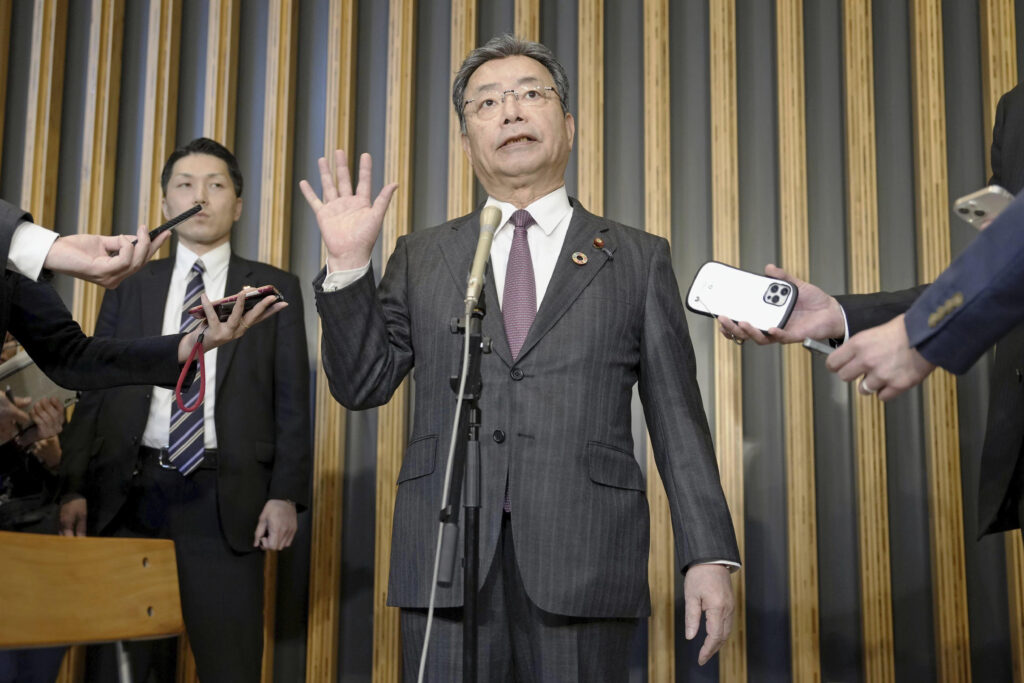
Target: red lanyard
[{"x": 197, "y": 349}]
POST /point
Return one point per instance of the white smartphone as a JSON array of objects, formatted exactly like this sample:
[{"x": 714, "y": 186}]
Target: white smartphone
[
  {"x": 978, "y": 208},
  {"x": 719, "y": 289}
]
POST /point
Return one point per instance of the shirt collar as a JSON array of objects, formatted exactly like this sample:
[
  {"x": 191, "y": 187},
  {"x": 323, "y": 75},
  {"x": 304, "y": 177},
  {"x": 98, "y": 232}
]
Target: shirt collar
[
  {"x": 215, "y": 261},
  {"x": 548, "y": 211}
]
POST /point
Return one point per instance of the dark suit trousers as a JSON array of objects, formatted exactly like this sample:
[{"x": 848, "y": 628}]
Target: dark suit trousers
[
  {"x": 221, "y": 590},
  {"x": 517, "y": 641}
]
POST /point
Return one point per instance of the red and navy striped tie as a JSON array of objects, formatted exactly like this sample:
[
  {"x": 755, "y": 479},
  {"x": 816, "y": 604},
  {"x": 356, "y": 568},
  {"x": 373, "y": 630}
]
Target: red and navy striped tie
[{"x": 186, "y": 447}]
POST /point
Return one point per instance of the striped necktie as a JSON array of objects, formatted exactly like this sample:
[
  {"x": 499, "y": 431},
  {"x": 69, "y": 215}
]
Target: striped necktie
[{"x": 186, "y": 443}]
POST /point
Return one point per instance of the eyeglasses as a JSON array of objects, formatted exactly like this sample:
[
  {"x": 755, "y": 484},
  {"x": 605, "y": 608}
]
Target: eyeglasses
[{"x": 486, "y": 106}]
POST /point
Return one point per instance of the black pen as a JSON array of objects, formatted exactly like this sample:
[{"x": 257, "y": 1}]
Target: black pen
[{"x": 185, "y": 215}]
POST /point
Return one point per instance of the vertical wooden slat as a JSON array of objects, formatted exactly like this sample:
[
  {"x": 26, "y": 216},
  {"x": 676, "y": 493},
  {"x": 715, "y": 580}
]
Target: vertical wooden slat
[
  {"x": 998, "y": 61},
  {"x": 945, "y": 503},
  {"x": 5, "y": 40},
  {"x": 392, "y": 419},
  {"x": 998, "y": 75},
  {"x": 45, "y": 97},
  {"x": 329, "y": 439},
  {"x": 590, "y": 120},
  {"x": 661, "y": 569},
  {"x": 221, "y": 71},
  {"x": 869, "y": 416},
  {"x": 527, "y": 19},
  {"x": 160, "y": 112},
  {"x": 801, "y": 509},
  {"x": 186, "y": 661},
  {"x": 72, "y": 668},
  {"x": 99, "y": 142},
  {"x": 460, "y": 173},
  {"x": 726, "y": 248},
  {"x": 275, "y": 209}
]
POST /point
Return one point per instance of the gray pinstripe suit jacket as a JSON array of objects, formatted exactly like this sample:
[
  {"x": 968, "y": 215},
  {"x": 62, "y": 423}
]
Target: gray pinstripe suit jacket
[{"x": 580, "y": 515}]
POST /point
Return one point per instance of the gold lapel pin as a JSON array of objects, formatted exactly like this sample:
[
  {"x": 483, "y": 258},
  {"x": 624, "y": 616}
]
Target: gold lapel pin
[
  {"x": 579, "y": 258},
  {"x": 598, "y": 243}
]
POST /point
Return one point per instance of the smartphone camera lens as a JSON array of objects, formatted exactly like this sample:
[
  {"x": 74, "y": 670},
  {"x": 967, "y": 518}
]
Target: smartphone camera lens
[
  {"x": 775, "y": 298},
  {"x": 979, "y": 213},
  {"x": 784, "y": 291},
  {"x": 773, "y": 289},
  {"x": 964, "y": 210}
]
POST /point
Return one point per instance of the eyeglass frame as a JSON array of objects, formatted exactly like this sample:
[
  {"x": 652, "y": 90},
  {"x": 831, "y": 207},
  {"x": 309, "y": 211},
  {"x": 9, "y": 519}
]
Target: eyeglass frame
[{"x": 515, "y": 93}]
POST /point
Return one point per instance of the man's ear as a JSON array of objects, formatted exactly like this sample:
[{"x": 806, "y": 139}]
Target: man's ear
[
  {"x": 166, "y": 210},
  {"x": 238, "y": 208},
  {"x": 466, "y": 149},
  {"x": 570, "y": 128}
]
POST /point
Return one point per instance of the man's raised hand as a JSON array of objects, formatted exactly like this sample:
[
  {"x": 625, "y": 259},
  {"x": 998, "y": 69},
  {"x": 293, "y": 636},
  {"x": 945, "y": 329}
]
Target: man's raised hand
[{"x": 349, "y": 221}]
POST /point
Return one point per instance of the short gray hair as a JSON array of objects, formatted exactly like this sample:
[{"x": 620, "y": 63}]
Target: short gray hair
[{"x": 499, "y": 47}]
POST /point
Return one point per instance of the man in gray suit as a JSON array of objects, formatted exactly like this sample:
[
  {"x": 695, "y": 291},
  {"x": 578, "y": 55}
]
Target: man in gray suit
[{"x": 588, "y": 309}]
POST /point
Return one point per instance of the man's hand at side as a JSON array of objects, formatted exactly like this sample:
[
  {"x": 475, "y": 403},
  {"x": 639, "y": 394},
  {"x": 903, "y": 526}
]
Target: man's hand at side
[
  {"x": 885, "y": 359},
  {"x": 349, "y": 222},
  {"x": 277, "y": 525},
  {"x": 73, "y": 514},
  {"x": 707, "y": 588},
  {"x": 103, "y": 259},
  {"x": 816, "y": 315}
]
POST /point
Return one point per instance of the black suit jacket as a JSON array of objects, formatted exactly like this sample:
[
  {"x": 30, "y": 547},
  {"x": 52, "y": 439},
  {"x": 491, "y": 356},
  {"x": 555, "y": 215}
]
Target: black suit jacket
[
  {"x": 556, "y": 420},
  {"x": 261, "y": 414},
  {"x": 35, "y": 314}
]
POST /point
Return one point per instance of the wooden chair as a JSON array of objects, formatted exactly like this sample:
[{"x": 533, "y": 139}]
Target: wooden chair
[{"x": 64, "y": 591}]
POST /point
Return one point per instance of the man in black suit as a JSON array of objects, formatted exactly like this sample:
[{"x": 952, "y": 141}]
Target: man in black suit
[
  {"x": 580, "y": 310},
  {"x": 820, "y": 316},
  {"x": 226, "y": 480}
]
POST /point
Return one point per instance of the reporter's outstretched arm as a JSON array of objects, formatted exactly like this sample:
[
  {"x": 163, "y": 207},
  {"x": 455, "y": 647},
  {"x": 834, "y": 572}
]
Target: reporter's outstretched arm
[{"x": 104, "y": 259}]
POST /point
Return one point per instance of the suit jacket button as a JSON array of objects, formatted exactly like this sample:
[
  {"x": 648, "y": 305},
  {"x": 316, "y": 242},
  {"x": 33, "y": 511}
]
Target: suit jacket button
[
  {"x": 517, "y": 374},
  {"x": 499, "y": 436}
]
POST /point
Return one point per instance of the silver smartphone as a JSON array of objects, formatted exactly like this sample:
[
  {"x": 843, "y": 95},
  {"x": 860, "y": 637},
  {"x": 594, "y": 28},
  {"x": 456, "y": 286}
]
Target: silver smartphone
[
  {"x": 719, "y": 289},
  {"x": 817, "y": 346},
  {"x": 979, "y": 208}
]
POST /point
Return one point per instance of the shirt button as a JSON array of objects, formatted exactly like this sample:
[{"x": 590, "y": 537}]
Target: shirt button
[
  {"x": 517, "y": 374},
  {"x": 499, "y": 436}
]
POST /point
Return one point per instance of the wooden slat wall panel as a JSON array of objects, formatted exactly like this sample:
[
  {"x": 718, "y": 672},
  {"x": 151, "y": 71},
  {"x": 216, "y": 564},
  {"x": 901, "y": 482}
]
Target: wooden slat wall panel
[
  {"x": 945, "y": 503},
  {"x": 45, "y": 97},
  {"x": 275, "y": 212},
  {"x": 99, "y": 142},
  {"x": 869, "y": 416},
  {"x": 726, "y": 248},
  {"x": 5, "y": 39},
  {"x": 796, "y": 363},
  {"x": 392, "y": 419},
  {"x": 160, "y": 112},
  {"x": 221, "y": 71},
  {"x": 186, "y": 661},
  {"x": 999, "y": 75},
  {"x": 661, "y": 571},
  {"x": 527, "y": 19},
  {"x": 323, "y": 622},
  {"x": 460, "y": 173},
  {"x": 590, "y": 122}
]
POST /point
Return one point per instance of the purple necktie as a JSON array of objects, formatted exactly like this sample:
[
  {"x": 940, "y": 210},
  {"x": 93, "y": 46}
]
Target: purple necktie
[{"x": 519, "y": 303}]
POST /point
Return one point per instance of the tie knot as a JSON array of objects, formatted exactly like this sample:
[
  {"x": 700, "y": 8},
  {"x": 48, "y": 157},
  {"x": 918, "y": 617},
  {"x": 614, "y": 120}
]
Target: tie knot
[
  {"x": 522, "y": 218},
  {"x": 198, "y": 267}
]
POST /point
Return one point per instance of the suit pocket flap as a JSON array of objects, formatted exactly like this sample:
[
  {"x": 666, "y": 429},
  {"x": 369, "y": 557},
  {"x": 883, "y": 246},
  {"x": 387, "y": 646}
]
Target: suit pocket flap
[
  {"x": 419, "y": 458},
  {"x": 614, "y": 467}
]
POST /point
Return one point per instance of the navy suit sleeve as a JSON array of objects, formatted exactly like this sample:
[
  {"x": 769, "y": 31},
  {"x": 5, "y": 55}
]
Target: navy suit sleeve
[{"x": 976, "y": 300}]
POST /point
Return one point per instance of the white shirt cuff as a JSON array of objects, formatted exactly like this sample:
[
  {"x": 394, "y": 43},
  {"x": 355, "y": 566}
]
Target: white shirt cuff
[
  {"x": 733, "y": 566},
  {"x": 30, "y": 244},
  {"x": 340, "y": 279}
]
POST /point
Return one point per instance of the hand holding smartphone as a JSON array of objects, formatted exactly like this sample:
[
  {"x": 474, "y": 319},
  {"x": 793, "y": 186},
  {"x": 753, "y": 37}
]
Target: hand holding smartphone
[
  {"x": 721, "y": 290},
  {"x": 223, "y": 307},
  {"x": 981, "y": 207}
]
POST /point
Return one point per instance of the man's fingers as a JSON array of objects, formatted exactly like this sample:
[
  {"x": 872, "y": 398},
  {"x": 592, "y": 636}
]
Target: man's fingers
[
  {"x": 714, "y": 626},
  {"x": 80, "y": 525},
  {"x": 327, "y": 186},
  {"x": 380, "y": 205},
  {"x": 344, "y": 177},
  {"x": 268, "y": 312},
  {"x": 311, "y": 198},
  {"x": 751, "y": 332},
  {"x": 261, "y": 530},
  {"x": 365, "y": 175},
  {"x": 691, "y": 617}
]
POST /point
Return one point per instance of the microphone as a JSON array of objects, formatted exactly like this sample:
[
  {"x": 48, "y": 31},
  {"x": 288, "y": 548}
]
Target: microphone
[{"x": 489, "y": 218}]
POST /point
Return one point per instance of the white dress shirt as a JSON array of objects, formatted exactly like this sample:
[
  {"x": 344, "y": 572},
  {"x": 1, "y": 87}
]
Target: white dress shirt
[
  {"x": 30, "y": 243},
  {"x": 215, "y": 279}
]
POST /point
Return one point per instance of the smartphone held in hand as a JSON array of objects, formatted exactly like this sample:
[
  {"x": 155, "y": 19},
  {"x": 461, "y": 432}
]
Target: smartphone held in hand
[
  {"x": 719, "y": 289},
  {"x": 223, "y": 307},
  {"x": 981, "y": 207}
]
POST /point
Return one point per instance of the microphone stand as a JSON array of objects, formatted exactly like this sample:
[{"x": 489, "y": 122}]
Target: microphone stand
[{"x": 466, "y": 477}]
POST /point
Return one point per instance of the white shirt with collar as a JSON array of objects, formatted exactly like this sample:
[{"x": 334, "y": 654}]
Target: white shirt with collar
[
  {"x": 215, "y": 280},
  {"x": 551, "y": 214}
]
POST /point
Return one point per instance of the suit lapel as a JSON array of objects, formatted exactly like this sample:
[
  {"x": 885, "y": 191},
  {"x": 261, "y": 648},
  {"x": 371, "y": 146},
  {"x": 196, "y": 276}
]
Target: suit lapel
[
  {"x": 457, "y": 249},
  {"x": 569, "y": 279},
  {"x": 155, "y": 283},
  {"x": 238, "y": 275}
]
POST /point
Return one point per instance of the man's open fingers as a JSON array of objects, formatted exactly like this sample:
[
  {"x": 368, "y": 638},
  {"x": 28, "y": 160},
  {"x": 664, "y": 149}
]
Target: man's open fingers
[
  {"x": 691, "y": 616},
  {"x": 715, "y": 628}
]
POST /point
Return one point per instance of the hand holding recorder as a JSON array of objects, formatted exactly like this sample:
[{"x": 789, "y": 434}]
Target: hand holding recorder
[{"x": 243, "y": 310}]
